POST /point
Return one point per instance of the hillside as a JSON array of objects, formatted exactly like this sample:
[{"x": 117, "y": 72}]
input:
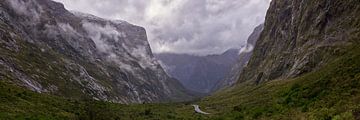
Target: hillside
[{"x": 332, "y": 92}]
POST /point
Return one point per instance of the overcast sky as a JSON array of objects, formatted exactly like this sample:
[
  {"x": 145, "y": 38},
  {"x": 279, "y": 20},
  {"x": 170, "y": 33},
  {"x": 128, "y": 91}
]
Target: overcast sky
[{"x": 183, "y": 26}]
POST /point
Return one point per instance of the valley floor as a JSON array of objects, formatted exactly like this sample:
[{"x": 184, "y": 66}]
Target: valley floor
[{"x": 332, "y": 92}]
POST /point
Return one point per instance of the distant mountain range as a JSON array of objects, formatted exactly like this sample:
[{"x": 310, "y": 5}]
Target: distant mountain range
[{"x": 198, "y": 73}]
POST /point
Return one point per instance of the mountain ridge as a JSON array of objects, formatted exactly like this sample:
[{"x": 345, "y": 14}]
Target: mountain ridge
[
  {"x": 52, "y": 49},
  {"x": 198, "y": 73}
]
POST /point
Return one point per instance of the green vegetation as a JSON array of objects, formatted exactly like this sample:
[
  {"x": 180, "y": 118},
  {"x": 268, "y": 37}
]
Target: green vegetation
[
  {"x": 332, "y": 92},
  {"x": 18, "y": 103}
]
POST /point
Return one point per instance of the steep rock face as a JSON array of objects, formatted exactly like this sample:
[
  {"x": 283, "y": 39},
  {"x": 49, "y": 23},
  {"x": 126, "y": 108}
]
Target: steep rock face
[
  {"x": 300, "y": 36},
  {"x": 198, "y": 73},
  {"x": 48, "y": 49},
  {"x": 243, "y": 58}
]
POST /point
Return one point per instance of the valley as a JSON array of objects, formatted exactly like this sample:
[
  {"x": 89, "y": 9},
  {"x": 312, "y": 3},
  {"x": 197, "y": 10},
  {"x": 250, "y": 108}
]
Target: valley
[
  {"x": 199, "y": 73},
  {"x": 331, "y": 92},
  {"x": 303, "y": 62}
]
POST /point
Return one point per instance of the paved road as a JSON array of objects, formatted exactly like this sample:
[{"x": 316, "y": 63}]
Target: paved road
[{"x": 197, "y": 109}]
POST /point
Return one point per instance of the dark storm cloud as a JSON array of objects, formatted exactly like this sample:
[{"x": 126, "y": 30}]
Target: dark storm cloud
[{"x": 183, "y": 26}]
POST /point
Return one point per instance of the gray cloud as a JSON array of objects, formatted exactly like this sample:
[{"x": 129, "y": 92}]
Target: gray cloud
[{"x": 183, "y": 26}]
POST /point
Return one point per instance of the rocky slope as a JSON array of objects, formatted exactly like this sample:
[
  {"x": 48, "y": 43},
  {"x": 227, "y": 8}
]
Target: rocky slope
[
  {"x": 243, "y": 58},
  {"x": 198, "y": 73},
  {"x": 300, "y": 36},
  {"x": 48, "y": 49}
]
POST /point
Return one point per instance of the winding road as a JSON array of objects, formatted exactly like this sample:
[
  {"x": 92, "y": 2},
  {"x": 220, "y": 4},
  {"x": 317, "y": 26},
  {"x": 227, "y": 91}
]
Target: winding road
[{"x": 197, "y": 109}]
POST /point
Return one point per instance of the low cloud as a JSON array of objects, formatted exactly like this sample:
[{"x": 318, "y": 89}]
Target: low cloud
[
  {"x": 184, "y": 26},
  {"x": 96, "y": 32},
  {"x": 28, "y": 8},
  {"x": 248, "y": 48},
  {"x": 104, "y": 35}
]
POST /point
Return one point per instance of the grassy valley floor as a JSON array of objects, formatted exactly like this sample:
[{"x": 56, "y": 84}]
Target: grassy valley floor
[{"x": 332, "y": 92}]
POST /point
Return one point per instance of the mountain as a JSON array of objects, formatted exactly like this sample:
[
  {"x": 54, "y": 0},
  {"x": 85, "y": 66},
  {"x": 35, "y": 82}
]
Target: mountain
[
  {"x": 198, "y": 73},
  {"x": 301, "y": 36},
  {"x": 305, "y": 65},
  {"x": 245, "y": 53},
  {"x": 327, "y": 86},
  {"x": 48, "y": 49}
]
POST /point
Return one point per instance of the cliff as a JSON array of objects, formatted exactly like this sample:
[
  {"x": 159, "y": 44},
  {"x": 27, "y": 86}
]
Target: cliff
[
  {"x": 301, "y": 36},
  {"x": 48, "y": 49}
]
